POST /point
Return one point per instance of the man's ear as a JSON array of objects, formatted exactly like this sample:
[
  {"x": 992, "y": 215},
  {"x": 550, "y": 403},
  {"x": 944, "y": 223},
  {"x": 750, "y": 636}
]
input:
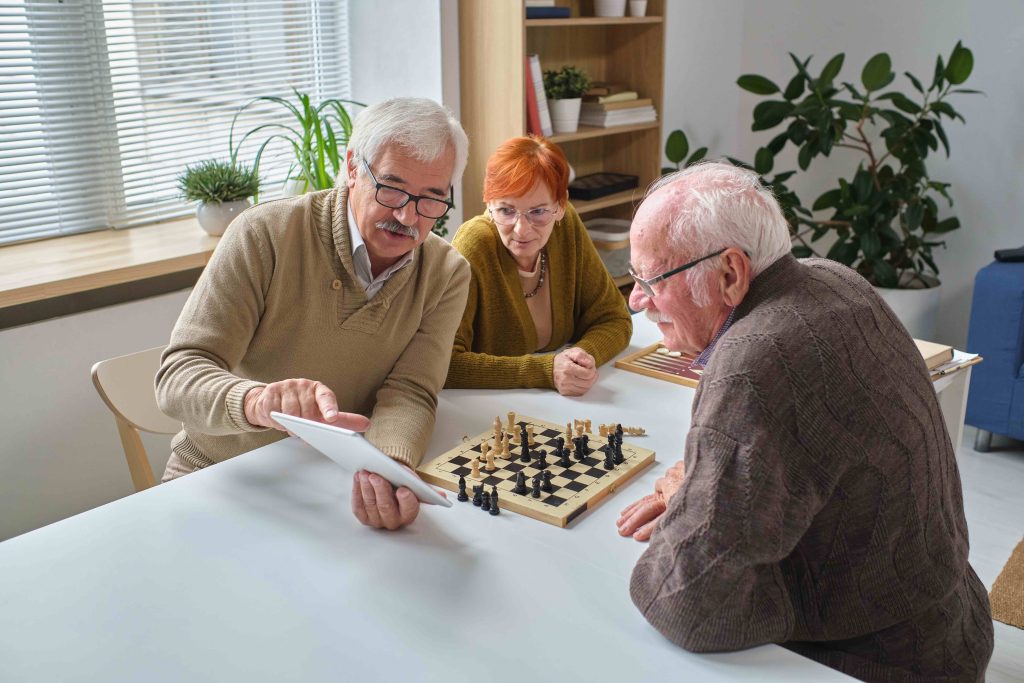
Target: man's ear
[
  {"x": 734, "y": 279},
  {"x": 351, "y": 169}
]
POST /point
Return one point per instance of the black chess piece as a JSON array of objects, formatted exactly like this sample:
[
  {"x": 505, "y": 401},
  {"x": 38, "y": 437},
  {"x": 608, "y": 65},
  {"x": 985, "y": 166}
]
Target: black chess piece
[
  {"x": 609, "y": 459},
  {"x": 485, "y": 503},
  {"x": 546, "y": 486},
  {"x": 462, "y": 489},
  {"x": 618, "y": 450},
  {"x": 542, "y": 462},
  {"x": 587, "y": 450},
  {"x": 524, "y": 439},
  {"x": 536, "y": 486},
  {"x": 520, "y": 487},
  {"x": 477, "y": 498},
  {"x": 563, "y": 454},
  {"x": 577, "y": 445},
  {"x": 559, "y": 442},
  {"x": 494, "y": 500}
]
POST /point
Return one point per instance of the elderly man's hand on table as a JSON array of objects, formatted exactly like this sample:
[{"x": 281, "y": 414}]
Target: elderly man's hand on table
[
  {"x": 639, "y": 519},
  {"x": 378, "y": 504},
  {"x": 301, "y": 398},
  {"x": 574, "y": 371}
]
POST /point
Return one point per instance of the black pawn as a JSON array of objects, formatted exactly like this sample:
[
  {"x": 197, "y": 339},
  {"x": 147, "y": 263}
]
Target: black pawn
[
  {"x": 477, "y": 498},
  {"x": 559, "y": 442},
  {"x": 542, "y": 462},
  {"x": 563, "y": 453},
  {"x": 536, "y": 486},
  {"x": 462, "y": 489},
  {"x": 546, "y": 486},
  {"x": 609, "y": 459},
  {"x": 485, "y": 504},
  {"x": 578, "y": 453},
  {"x": 587, "y": 450},
  {"x": 520, "y": 487},
  {"x": 494, "y": 500}
]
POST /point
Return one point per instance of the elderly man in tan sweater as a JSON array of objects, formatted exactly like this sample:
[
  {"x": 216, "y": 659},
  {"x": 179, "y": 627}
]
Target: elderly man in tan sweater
[
  {"x": 819, "y": 502},
  {"x": 338, "y": 306}
]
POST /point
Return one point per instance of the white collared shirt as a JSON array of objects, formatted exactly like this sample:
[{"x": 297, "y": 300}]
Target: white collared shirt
[{"x": 361, "y": 261}]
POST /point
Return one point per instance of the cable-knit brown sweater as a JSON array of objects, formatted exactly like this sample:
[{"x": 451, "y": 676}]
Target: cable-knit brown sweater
[
  {"x": 279, "y": 300},
  {"x": 821, "y": 507}
]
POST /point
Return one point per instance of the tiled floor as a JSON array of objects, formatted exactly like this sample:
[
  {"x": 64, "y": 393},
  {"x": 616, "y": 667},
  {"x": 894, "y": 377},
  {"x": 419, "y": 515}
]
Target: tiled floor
[{"x": 993, "y": 485}]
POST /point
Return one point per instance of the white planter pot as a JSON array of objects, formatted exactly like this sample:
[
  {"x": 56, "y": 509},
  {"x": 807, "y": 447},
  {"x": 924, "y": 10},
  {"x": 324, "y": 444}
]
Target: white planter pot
[
  {"x": 609, "y": 8},
  {"x": 293, "y": 187},
  {"x": 565, "y": 115},
  {"x": 215, "y": 217},
  {"x": 917, "y": 309}
]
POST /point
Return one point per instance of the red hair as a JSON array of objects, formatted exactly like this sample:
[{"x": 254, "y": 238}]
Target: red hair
[{"x": 520, "y": 163}]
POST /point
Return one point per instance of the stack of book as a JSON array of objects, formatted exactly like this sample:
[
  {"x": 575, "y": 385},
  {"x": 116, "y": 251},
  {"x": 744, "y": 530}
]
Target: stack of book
[
  {"x": 611, "y": 104},
  {"x": 545, "y": 9}
]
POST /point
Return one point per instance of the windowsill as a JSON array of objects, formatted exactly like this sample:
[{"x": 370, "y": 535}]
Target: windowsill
[{"x": 48, "y": 269}]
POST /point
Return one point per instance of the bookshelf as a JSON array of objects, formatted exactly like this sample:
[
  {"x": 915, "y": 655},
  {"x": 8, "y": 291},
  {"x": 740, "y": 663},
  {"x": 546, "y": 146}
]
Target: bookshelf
[{"x": 495, "y": 37}]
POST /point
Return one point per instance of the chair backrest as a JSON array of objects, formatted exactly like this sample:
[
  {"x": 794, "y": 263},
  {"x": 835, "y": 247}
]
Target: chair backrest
[{"x": 125, "y": 384}]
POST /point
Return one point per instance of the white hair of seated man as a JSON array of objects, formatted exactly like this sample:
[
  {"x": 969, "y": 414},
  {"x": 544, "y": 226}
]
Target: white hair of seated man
[
  {"x": 418, "y": 124},
  {"x": 723, "y": 206}
]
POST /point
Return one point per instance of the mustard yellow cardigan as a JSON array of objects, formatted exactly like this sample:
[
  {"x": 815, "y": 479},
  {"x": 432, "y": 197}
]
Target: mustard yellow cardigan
[{"x": 494, "y": 345}]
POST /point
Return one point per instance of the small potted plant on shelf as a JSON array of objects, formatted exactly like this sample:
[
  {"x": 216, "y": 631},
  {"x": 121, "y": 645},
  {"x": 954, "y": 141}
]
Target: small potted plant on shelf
[
  {"x": 316, "y": 133},
  {"x": 222, "y": 189},
  {"x": 564, "y": 89},
  {"x": 883, "y": 219}
]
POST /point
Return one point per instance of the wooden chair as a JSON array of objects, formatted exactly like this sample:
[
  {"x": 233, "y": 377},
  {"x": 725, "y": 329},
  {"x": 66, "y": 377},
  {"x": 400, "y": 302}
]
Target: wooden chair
[{"x": 125, "y": 384}]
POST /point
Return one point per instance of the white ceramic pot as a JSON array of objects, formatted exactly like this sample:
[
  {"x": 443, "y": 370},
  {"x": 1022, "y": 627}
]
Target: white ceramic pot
[
  {"x": 637, "y": 8},
  {"x": 215, "y": 217},
  {"x": 917, "y": 309},
  {"x": 565, "y": 115},
  {"x": 293, "y": 187},
  {"x": 609, "y": 8}
]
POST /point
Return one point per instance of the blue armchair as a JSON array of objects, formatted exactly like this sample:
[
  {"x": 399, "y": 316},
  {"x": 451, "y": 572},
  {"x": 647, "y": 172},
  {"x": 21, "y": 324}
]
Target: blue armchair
[{"x": 995, "y": 403}]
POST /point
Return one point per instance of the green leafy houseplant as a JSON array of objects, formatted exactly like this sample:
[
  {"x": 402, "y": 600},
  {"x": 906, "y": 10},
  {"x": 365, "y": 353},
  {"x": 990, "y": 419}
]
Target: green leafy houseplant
[
  {"x": 214, "y": 181},
  {"x": 317, "y": 134},
  {"x": 565, "y": 84},
  {"x": 884, "y": 218}
]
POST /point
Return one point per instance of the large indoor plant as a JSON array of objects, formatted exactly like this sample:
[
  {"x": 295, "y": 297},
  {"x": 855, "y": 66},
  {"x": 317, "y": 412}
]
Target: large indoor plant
[
  {"x": 316, "y": 133},
  {"x": 883, "y": 219},
  {"x": 222, "y": 189},
  {"x": 564, "y": 89}
]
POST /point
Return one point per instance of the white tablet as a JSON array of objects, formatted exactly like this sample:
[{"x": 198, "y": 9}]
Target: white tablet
[{"x": 353, "y": 452}]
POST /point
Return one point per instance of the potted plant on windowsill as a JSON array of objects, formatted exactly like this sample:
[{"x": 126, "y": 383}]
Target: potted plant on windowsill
[
  {"x": 883, "y": 219},
  {"x": 222, "y": 189},
  {"x": 564, "y": 89}
]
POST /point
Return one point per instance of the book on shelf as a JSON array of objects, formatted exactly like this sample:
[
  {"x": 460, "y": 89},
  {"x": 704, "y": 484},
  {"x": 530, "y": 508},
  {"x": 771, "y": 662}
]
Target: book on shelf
[
  {"x": 614, "y": 97},
  {"x": 532, "y": 112},
  {"x": 616, "y": 106},
  {"x": 540, "y": 3},
  {"x": 934, "y": 354},
  {"x": 621, "y": 117},
  {"x": 542, "y": 101},
  {"x": 548, "y": 12},
  {"x": 598, "y": 88}
]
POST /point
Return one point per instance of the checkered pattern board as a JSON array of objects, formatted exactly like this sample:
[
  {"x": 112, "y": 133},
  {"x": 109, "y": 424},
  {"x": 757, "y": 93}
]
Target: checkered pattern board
[
  {"x": 658, "y": 362},
  {"x": 574, "y": 490}
]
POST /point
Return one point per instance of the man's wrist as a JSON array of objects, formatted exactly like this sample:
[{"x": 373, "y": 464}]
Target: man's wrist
[{"x": 252, "y": 397}]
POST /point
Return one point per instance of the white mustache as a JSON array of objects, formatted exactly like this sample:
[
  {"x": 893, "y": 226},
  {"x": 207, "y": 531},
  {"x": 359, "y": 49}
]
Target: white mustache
[
  {"x": 397, "y": 228},
  {"x": 657, "y": 317}
]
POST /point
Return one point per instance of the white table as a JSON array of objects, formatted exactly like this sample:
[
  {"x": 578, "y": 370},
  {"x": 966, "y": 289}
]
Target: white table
[{"x": 256, "y": 570}]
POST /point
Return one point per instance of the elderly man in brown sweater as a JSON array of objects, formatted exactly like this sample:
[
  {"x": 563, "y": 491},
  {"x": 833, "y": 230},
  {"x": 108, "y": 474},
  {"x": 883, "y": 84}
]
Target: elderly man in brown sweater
[
  {"x": 818, "y": 505},
  {"x": 338, "y": 306}
]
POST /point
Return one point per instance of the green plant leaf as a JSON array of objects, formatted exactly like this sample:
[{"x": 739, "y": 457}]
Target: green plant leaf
[
  {"x": 827, "y": 200},
  {"x": 944, "y": 108},
  {"x": 912, "y": 215},
  {"x": 795, "y": 88},
  {"x": 870, "y": 245},
  {"x": 764, "y": 160},
  {"x": 803, "y": 158},
  {"x": 904, "y": 103},
  {"x": 967, "y": 91},
  {"x": 940, "y": 71},
  {"x": 913, "y": 79},
  {"x": 759, "y": 85},
  {"x": 877, "y": 73},
  {"x": 770, "y": 114},
  {"x": 830, "y": 71},
  {"x": 665, "y": 170},
  {"x": 884, "y": 273},
  {"x": 699, "y": 154},
  {"x": 778, "y": 142},
  {"x": 961, "y": 63},
  {"x": 947, "y": 225},
  {"x": 802, "y": 251},
  {"x": 677, "y": 146}
]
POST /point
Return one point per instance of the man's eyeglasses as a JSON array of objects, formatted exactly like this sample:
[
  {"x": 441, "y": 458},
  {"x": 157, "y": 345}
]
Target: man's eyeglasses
[
  {"x": 506, "y": 215},
  {"x": 648, "y": 285},
  {"x": 393, "y": 198}
]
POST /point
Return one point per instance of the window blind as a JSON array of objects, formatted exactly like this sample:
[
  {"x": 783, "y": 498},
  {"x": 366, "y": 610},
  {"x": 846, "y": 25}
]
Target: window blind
[{"x": 103, "y": 103}]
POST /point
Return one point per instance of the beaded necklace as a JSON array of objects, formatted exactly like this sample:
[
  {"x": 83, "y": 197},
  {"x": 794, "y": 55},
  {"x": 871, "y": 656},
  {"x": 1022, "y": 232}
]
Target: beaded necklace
[{"x": 543, "y": 271}]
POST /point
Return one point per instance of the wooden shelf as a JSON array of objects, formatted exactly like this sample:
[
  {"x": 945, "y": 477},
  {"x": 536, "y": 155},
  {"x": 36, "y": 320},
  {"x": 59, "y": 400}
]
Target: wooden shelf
[
  {"x": 586, "y": 132},
  {"x": 623, "y": 280},
  {"x": 578, "y": 22},
  {"x": 36, "y": 271},
  {"x": 617, "y": 199}
]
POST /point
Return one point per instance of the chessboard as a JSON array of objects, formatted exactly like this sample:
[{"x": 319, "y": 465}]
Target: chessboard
[
  {"x": 658, "y": 362},
  {"x": 574, "y": 490}
]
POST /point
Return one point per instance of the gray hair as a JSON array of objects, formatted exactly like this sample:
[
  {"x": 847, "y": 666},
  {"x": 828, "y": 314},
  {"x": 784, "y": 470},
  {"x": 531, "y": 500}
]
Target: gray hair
[
  {"x": 719, "y": 205},
  {"x": 420, "y": 125}
]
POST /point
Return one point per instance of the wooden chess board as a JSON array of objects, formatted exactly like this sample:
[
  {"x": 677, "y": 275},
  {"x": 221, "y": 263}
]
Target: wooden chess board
[
  {"x": 575, "y": 489},
  {"x": 658, "y": 362}
]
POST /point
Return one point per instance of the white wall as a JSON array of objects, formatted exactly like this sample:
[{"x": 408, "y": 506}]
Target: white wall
[{"x": 708, "y": 51}]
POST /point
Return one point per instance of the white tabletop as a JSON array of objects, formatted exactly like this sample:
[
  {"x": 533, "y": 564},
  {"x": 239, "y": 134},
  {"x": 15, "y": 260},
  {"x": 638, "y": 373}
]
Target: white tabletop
[{"x": 256, "y": 570}]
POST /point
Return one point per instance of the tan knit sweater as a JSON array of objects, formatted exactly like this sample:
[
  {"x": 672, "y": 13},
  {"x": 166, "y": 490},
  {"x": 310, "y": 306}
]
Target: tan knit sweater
[
  {"x": 280, "y": 299},
  {"x": 821, "y": 507},
  {"x": 495, "y": 343}
]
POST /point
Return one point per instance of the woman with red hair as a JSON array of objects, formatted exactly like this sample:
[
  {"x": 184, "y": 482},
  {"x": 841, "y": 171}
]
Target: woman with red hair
[{"x": 542, "y": 310}]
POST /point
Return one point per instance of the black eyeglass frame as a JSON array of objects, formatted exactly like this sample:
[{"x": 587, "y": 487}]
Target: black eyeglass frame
[
  {"x": 648, "y": 285},
  {"x": 378, "y": 186}
]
